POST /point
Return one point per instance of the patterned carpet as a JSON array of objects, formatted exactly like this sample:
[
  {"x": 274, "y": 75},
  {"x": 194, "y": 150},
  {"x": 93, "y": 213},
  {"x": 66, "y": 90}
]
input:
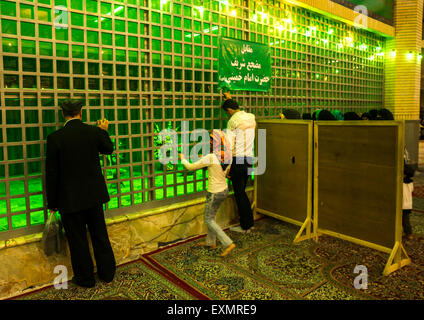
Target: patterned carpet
[
  {"x": 265, "y": 265},
  {"x": 134, "y": 281}
]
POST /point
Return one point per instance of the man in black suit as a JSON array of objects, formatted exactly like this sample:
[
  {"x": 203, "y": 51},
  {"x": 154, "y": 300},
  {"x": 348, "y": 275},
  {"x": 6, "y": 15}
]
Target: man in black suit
[{"x": 76, "y": 187}]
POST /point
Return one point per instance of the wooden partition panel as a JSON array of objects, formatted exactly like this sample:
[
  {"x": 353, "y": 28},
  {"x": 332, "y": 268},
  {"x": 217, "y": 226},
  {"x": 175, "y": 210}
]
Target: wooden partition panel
[
  {"x": 284, "y": 191},
  {"x": 358, "y": 179}
]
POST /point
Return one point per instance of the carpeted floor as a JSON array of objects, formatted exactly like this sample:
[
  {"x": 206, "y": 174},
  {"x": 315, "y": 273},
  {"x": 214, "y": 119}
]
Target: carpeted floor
[
  {"x": 265, "y": 265},
  {"x": 134, "y": 281}
]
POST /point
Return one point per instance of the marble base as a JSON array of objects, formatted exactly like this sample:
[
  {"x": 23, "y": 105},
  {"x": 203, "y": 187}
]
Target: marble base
[{"x": 24, "y": 266}]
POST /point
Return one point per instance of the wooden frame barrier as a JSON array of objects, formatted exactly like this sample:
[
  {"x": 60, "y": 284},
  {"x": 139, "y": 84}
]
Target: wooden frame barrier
[
  {"x": 398, "y": 257},
  {"x": 304, "y": 220}
]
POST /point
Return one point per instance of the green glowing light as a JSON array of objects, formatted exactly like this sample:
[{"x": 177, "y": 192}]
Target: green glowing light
[
  {"x": 120, "y": 189},
  {"x": 201, "y": 10},
  {"x": 118, "y": 9},
  {"x": 410, "y": 55}
]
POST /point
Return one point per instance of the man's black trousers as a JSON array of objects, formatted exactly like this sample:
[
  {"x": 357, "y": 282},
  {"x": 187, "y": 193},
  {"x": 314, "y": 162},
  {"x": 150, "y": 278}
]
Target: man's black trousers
[
  {"x": 239, "y": 176},
  {"x": 75, "y": 225}
]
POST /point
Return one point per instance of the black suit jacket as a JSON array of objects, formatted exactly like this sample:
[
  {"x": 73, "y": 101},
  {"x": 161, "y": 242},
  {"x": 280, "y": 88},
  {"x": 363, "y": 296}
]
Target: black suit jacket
[{"x": 74, "y": 179}]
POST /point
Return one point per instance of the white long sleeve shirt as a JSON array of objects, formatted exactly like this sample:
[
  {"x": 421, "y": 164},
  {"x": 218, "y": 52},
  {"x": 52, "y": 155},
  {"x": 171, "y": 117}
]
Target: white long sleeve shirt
[
  {"x": 408, "y": 188},
  {"x": 217, "y": 181},
  {"x": 241, "y": 127}
]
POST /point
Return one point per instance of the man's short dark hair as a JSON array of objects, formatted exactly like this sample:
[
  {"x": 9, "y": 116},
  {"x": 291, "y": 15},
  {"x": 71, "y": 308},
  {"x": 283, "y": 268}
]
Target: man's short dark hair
[
  {"x": 71, "y": 108},
  {"x": 291, "y": 114},
  {"x": 408, "y": 170},
  {"x": 230, "y": 104}
]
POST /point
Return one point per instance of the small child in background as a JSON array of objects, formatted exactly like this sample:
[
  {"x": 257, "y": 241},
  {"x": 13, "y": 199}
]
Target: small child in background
[
  {"x": 408, "y": 188},
  {"x": 218, "y": 163}
]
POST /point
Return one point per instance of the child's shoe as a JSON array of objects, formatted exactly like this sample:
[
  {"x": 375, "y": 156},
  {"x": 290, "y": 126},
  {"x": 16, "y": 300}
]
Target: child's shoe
[{"x": 227, "y": 251}]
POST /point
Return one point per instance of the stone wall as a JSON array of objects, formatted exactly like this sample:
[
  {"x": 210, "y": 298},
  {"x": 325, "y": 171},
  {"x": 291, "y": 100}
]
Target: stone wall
[{"x": 24, "y": 267}]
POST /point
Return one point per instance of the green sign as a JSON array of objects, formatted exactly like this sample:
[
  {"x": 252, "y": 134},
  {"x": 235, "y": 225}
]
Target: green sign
[{"x": 244, "y": 65}]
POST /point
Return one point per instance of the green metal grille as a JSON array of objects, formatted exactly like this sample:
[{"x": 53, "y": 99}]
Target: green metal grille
[{"x": 147, "y": 65}]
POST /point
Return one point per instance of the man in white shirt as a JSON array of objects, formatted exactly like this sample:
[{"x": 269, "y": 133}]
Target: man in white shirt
[{"x": 241, "y": 130}]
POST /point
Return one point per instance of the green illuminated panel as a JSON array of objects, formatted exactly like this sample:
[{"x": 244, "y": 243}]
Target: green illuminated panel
[
  {"x": 44, "y": 14},
  {"x": 62, "y": 3},
  {"x": 92, "y": 6},
  {"x": 159, "y": 194},
  {"x": 152, "y": 53},
  {"x": 113, "y": 203},
  {"x": 4, "y": 226},
  {"x": 190, "y": 188},
  {"x": 36, "y": 218},
  {"x": 10, "y": 63},
  {"x": 36, "y": 201},
  {"x": 16, "y": 187},
  {"x": 35, "y": 185},
  {"x": 17, "y": 204},
  {"x": 8, "y": 8},
  {"x": 46, "y": 48},
  {"x": 27, "y": 29},
  {"x": 26, "y": 11},
  {"x": 77, "y": 19},
  {"x": 10, "y": 45},
  {"x": 62, "y": 50},
  {"x": 19, "y": 221},
  {"x": 138, "y": 198},
  {"x": 77, "y": 4},
  {"x": 9, "y": 27}
]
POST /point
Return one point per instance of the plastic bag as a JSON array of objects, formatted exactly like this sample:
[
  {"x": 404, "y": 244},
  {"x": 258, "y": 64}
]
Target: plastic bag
[{"x": 53, "y": 240}]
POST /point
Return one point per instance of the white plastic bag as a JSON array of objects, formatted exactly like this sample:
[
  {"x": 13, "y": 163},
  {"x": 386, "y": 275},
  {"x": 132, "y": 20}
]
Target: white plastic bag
[{"x": 53, "y": 240}]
